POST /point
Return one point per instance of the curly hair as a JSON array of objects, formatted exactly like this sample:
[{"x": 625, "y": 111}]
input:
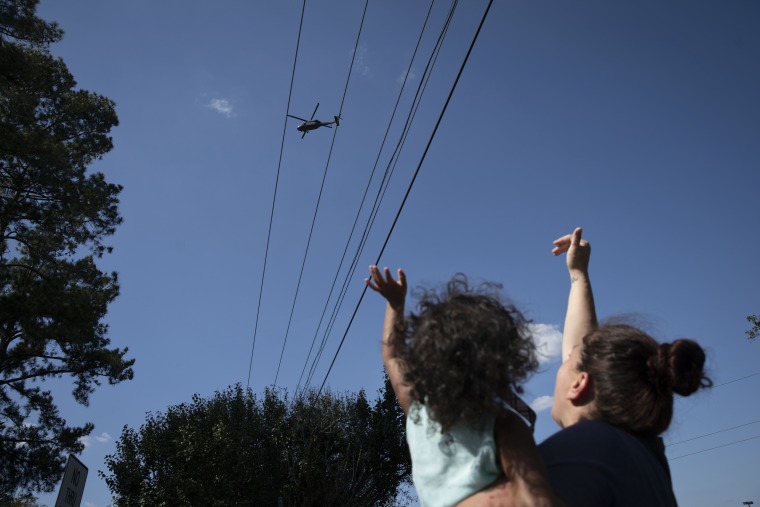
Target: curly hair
[
  {"x": 634, "y": 377},
  {"x": 466, "y": 351}
]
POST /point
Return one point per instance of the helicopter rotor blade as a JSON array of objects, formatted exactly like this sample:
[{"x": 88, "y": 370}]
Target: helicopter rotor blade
[
  {"x": 296, "y": 117},
  {"x": 315, "y": 111}
]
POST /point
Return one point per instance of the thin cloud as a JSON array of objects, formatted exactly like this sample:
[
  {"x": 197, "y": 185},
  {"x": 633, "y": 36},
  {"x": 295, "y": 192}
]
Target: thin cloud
[
  {"x": 548, "y": 340},
  {"x": 101, "y": 439},
  {"x": 409, "y": 75},
  {"x": 542, "y": 403},
  {"x": 360, "y": 65},
  {"x": 221, "y": 106}
]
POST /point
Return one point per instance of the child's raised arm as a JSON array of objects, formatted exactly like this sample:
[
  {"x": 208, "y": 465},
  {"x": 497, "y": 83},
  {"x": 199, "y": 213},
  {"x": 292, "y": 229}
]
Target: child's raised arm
[
  {"x": 394, "y": 292},
  {"x": 580, "y": 318}
]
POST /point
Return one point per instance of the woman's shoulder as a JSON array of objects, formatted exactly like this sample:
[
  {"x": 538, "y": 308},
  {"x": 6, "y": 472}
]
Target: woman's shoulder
[
  {"x": 592, "y": 462},
  {"x": 595, "y": 440},
  {"x": 582, "y": 433}
]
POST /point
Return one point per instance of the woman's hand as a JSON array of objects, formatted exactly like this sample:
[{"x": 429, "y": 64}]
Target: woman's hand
[{"x": 578, "y": 252}]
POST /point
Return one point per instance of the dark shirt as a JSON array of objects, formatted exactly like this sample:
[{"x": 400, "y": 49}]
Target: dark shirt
[{"x": 594, "y": 464}]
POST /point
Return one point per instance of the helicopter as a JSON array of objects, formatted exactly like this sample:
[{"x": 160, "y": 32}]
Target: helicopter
[{"x": 312, "y": 124}]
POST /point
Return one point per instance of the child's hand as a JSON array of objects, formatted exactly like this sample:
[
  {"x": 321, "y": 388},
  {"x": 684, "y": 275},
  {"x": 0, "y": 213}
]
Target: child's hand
[
  {"x": 393, "y": 291},
  {"x": 578, "y": 251}
]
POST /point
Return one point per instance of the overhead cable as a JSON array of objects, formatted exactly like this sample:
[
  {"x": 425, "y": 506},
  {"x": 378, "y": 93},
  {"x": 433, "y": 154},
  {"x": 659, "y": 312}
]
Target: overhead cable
[
  {"x": 319, "y": 198},
  {"x": 384, "y": 185},
  {"x": 737, "y": 380},
  {"x": 713, "y": 448},
  {"x": 414, "y": 177},
  {"x": 274, "y": 197},
  {"x": 361, "y": 205},
  {"x": 713, "y": 433}
]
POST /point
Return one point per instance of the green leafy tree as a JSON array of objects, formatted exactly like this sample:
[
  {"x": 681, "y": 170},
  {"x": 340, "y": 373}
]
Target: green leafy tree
[
  {"x": 54, "y": 217},
  {"x": 25, "y": 500},
  {"x": 755, "y": 331},
  {"x": 239, "y": 449}
]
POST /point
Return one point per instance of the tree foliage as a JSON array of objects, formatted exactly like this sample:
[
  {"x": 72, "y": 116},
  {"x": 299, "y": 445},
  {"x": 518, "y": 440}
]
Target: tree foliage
[
  {"x": 239, "y": 449},
  {"x": 25, "y": 500},
  {"x": 54, "y": 218},
  {"x": 755, "y": 331}
]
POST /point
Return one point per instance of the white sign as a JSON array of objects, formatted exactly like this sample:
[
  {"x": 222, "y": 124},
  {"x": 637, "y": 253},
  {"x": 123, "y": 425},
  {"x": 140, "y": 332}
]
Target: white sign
[{"x": 72, "y": 487}]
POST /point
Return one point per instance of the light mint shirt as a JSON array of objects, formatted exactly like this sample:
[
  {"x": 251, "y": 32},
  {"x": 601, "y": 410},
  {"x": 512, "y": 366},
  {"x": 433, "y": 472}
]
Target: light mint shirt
[{"x": 447, "y": 468}]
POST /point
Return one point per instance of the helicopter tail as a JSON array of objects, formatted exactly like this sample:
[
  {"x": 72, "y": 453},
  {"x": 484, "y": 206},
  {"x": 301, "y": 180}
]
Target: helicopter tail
[{"x": 337, "y": 121}]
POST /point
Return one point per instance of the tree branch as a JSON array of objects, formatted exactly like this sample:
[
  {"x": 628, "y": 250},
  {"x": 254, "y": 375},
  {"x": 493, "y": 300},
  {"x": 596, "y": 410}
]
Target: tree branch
[{"x": 45, "y": 373}]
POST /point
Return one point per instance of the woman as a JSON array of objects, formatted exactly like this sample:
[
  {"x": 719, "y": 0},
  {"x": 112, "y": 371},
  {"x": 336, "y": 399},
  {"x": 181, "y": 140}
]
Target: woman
[{"x": 613, "y": 398}]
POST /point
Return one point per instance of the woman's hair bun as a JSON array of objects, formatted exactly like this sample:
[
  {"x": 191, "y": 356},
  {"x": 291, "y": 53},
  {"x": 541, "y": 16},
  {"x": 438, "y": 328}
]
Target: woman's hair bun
[{"x": 686, "y": 361}]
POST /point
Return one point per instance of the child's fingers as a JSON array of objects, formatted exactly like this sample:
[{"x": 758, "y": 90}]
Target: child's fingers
[
  {"x": 378, "y": 281},
  {"x": 375, "y": 276}
]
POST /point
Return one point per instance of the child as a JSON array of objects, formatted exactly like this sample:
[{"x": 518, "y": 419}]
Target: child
[{"x": 455, "y": 367}]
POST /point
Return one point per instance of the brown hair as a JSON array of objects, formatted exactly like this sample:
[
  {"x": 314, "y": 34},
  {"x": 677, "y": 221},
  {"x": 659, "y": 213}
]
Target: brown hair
[
  {"x": 633, "y": 377},
  {"x": 467, "y": 349}
]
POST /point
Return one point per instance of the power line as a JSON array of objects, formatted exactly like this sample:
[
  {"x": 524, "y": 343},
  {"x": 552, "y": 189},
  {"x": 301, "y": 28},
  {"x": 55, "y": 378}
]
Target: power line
[
  {"x": 713, "y": 448},
  {"x": 392, "y": 165},
  {"x": 414, "y": 177},
  {"x": 713, "y": 433},
  {"x": 274, "y": 197},
  {"x": 737, "y": 380},
  {"x": 361, "y": 205},
  {"x": 719, "y": 431},
  {"x": 390, "y": 168},
  {"x": 383, "y": 186},
  {"x": 321, "y": 188}
]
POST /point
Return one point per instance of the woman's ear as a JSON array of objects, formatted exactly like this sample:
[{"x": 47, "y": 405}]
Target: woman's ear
[{"x": 579, "y": 387}]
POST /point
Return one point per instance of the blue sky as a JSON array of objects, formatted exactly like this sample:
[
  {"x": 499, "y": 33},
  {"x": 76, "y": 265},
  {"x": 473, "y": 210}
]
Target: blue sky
[{"x": 639, "y": 121}]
